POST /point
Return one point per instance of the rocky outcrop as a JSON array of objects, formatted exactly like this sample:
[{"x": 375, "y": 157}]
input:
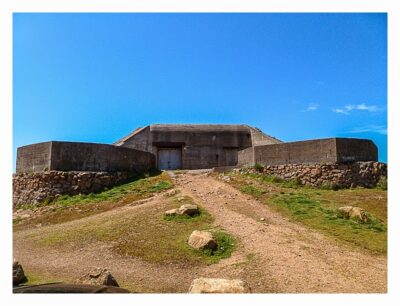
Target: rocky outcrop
[
  {"x": 98, "y": 276},
  {"x": 202, "y": 240},
  {"x": 34, "y": 188},
  {"x": 358, "y": 174},
  {"x": 18, "y": 274},
  {"x": 219, "y": 285},
  {"x": 350, "y": 212}
]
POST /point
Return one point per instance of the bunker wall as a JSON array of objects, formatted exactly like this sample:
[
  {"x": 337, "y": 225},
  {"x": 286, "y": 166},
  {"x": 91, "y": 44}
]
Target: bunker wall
[
  {"x": 77, "y": 156},
  {"x": 330, "y": 150},
  {"x": 34, "y": 158},
  {"x": 349, "y": 150},
  {"x": 310, "y": 151}
]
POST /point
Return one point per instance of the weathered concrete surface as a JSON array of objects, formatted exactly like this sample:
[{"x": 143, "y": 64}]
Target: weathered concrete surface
[
  {"x": 330, "y": 150},
  {"x": 34, "y": 158},
  {"x": 79, "y": 156},
  {"x": 203, "y": 146},
  {"x": 352, "y": 149}
]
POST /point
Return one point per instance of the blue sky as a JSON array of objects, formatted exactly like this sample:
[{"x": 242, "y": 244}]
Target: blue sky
[{"x": 96, "y": 77}]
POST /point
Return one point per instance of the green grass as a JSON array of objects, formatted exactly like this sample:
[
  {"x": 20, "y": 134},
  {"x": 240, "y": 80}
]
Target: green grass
[
  {"x": 35, "y": 278},
  {"x": 252, "y": 190},
  {"x": 226, "y": 245},
  {"x": 67, "y": 208},
  {"x": 317, "y": 208},
  {"x": 145, "y": 234},
  {"x": 137, "y": 188},
  {"x": 382, "y": 183},
  {"x": 17, "y": 220}
]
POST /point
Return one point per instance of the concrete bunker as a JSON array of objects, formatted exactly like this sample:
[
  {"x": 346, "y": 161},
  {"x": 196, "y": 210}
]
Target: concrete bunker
[
  {"x": 195, "y": 146},
  {"x": 190, "y": 146}
]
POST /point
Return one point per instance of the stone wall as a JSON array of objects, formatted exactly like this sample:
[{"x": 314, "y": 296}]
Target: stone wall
[
  {"x": 33, "y": 188},
  {"x": 358, "y": 174}
]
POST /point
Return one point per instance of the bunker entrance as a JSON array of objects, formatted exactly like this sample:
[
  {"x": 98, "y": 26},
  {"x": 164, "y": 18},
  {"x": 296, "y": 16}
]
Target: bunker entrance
[{"x": 169, "y": 158}]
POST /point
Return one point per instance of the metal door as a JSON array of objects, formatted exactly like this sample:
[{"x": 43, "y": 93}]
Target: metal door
[
  {"x": 231, "y": 156},
  {"x": 169, "y": 159}
]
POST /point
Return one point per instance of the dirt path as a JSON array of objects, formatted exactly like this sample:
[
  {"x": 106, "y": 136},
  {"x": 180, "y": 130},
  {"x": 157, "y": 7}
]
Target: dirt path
[{"x": 273, "y": 256}]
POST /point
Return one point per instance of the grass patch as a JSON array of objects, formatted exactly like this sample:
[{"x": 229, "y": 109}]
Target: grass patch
[
  {"x": 252, "y": 190},
  {"x": 226, "y": 245},
  {"x": 145, "y": 234},
  {"x": 322, "y": 215},
  {"x": 382, "y": 183},
  {"x": 258, "y": 167},
  {"x": 67, "y": 208},
  {"x": 317, "y": 208},
  {"x": 263, "y": 178},
  {"x": 35, "y": 278},
  {"x": 329, "y": 186},
  {"x": 17, "y": 220},
  {"x": 133, "y": 190}
]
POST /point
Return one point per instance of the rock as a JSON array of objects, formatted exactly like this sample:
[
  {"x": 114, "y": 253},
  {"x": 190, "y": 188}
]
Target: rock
[
  {"x": 99, "y": 277},
  {"x": 172, "y": 212},
  {"x": 219, "y": 285},
  {"x": 353, "y": 213},
  {"x": 171, "y": 193},
  {"x": 188, "y": 209},
  {"x": 226, "y": 178},
  {"x": 18, "y": 274},
  {"x": 262, "y": 219},
  {"x": 202, "y": 240}
]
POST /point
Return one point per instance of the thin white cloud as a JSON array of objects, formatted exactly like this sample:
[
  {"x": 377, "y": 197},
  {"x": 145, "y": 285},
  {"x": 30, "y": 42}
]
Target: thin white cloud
[
  {"x": 340, "y": 111},
  {"x": 347, "y": 109},
  {"x": 380, "y": 129},
  {"x": 311, "y": 108}
]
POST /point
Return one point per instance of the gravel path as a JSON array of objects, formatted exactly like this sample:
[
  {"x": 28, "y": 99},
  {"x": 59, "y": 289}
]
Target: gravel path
[{"x": 274, "y": 255}]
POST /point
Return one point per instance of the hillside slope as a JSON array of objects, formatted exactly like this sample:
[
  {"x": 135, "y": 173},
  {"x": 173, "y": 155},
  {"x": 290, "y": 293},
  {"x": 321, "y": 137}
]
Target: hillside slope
[{"x": 275, "y": 255}]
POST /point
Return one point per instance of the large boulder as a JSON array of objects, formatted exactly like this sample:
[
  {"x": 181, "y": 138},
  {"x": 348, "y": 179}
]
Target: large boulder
[
  {"x": 18, "y": 274},
  {"x": 98, "y": 276},
  {"x": 188, "y": 209},
  {"x": 202, "y": 240},
  {"x": 219, "y": 285},
  {"x": 351, "y": 212}
]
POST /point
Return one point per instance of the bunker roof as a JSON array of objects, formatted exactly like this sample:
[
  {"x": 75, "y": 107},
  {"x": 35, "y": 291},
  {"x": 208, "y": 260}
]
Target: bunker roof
[{"x": 195, "y": 128}]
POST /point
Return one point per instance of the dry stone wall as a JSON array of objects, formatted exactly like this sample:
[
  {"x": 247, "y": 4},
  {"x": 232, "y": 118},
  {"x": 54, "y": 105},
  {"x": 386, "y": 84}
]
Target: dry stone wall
[
  {"x": 358, "y": 174},
  {"x": 33, "y": 188}
]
